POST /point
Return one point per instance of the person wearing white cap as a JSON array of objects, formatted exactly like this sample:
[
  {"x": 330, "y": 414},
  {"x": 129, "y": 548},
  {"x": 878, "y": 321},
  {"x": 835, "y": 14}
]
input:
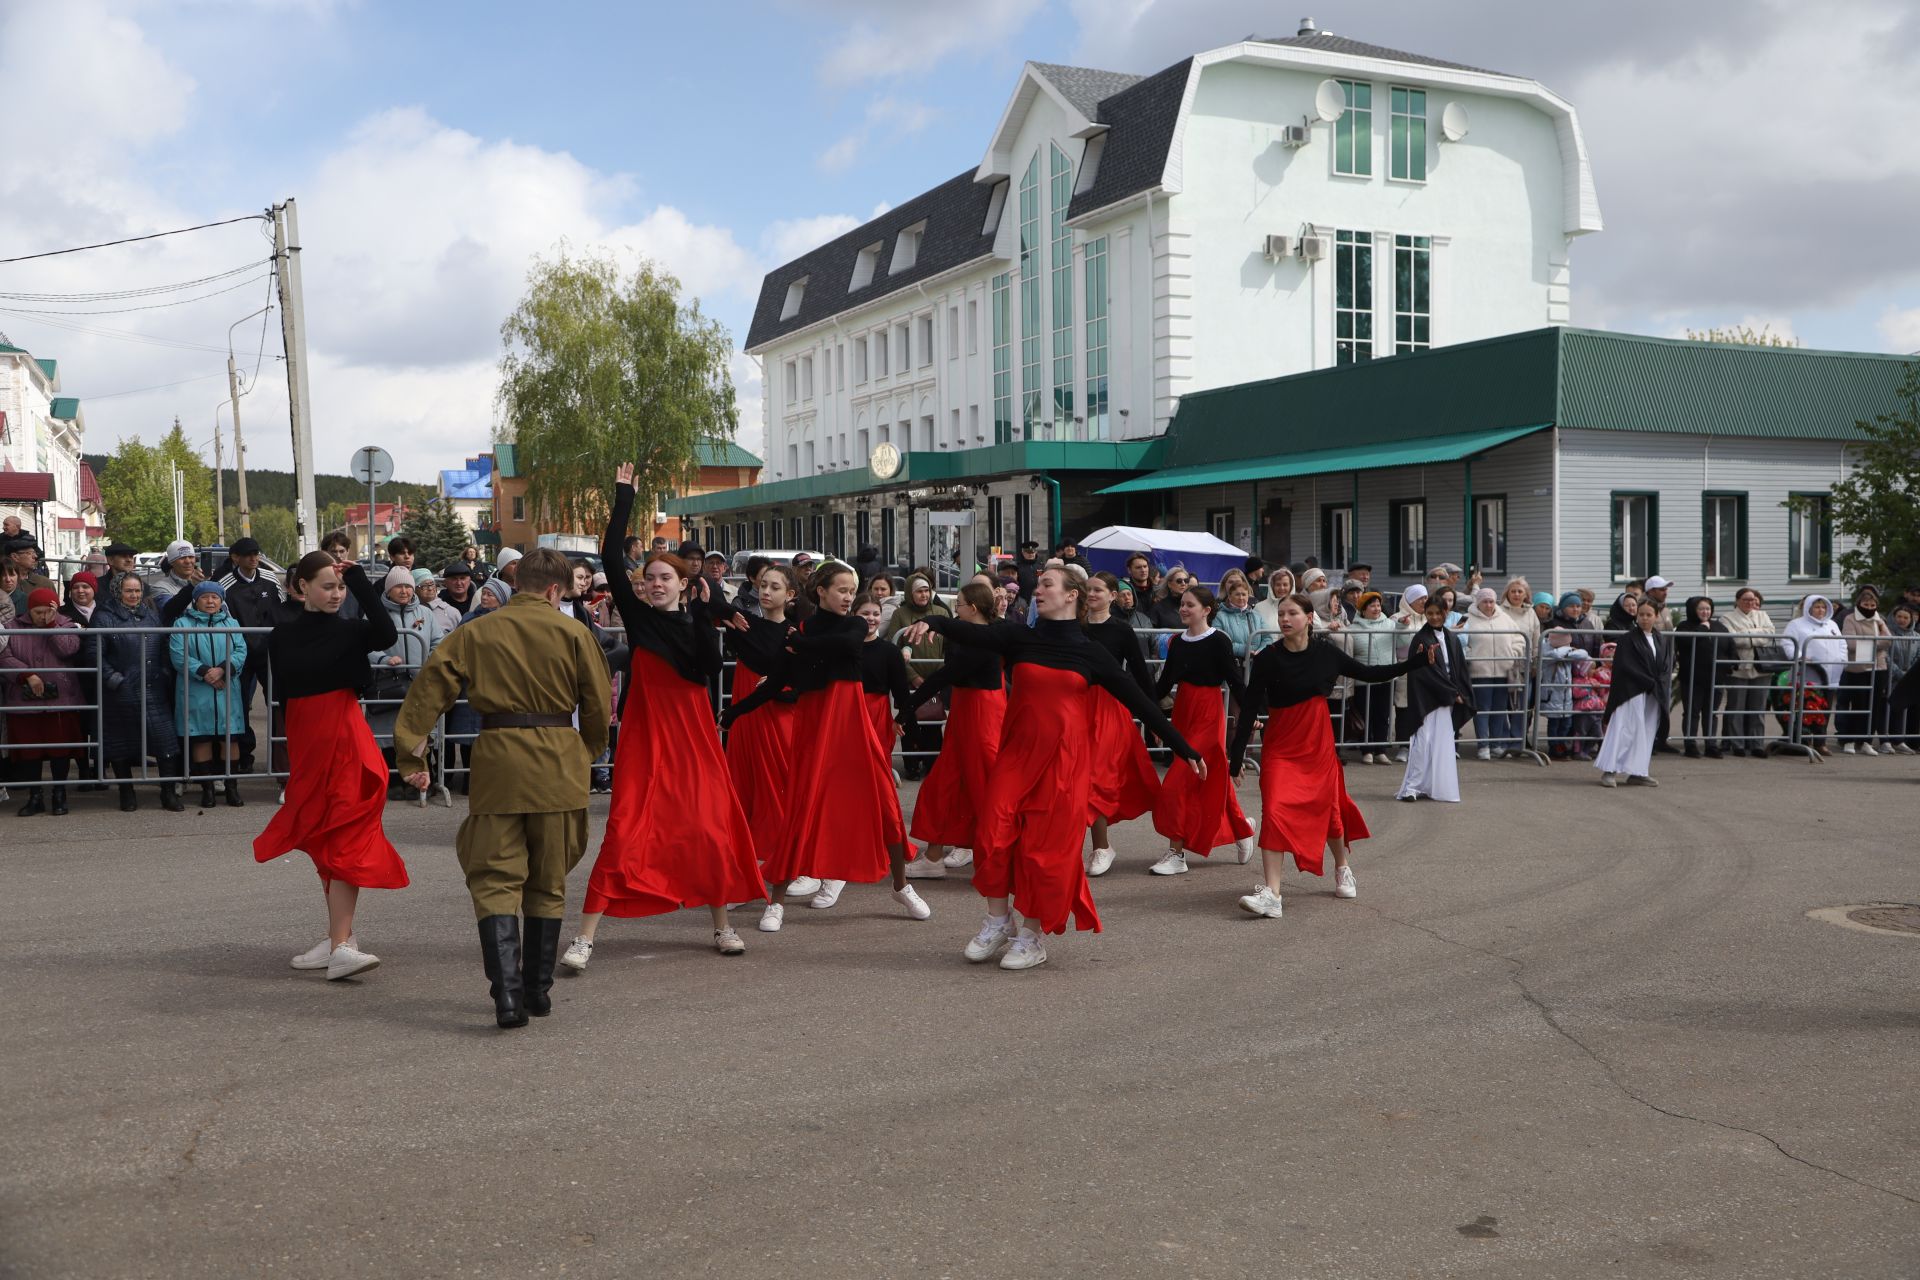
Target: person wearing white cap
[
  {"x": 181, "y": 572},
  {"x": 1407, "y": 622}
]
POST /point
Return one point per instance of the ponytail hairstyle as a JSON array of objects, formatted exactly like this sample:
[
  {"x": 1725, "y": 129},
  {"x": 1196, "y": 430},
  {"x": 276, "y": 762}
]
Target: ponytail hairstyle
[
  {"x": 984, "y": 599},
  {"x": 1206, "y": 598}
]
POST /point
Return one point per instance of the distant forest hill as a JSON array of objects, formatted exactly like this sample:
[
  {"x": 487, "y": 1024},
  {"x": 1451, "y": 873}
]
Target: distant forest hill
[{"x": 275, "y": 488}]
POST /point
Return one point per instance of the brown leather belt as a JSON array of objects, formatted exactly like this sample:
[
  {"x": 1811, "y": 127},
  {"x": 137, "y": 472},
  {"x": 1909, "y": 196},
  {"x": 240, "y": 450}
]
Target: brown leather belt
[{"x": 527, "y": 720}]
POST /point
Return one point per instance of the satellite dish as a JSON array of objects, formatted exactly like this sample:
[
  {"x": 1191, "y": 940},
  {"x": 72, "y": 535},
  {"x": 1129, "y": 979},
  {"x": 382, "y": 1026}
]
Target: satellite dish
[
  {"x": 1453, "y": 122},
  {"x": 1329, "y": 101}
]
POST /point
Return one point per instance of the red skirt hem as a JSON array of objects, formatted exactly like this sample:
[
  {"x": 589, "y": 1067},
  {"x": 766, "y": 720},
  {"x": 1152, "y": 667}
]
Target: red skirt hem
[
  {"x": 948, "y": 808},
  {"x": 844, "y": 810},
  {"x": 1202, "y": 816},
  {"x": 1303, "y": 789},
  {"x": 336, "y": 796}
]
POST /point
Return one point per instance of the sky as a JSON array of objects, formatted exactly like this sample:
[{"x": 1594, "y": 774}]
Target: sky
[{"x": 1753, "y": 160}]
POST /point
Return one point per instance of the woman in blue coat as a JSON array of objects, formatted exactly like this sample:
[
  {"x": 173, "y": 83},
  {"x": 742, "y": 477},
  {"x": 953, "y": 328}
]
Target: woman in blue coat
[
  {"x": 208, "y": 652},
  {"x": 136, "y": 708}
]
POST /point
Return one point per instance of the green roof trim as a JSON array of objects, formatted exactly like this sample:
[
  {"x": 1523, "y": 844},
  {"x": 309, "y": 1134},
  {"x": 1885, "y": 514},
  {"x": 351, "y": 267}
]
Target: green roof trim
[
  {"x": 1364, "y": 457},
  {"x": 503, "y": 461},
  {"x": 65, "y": 408},
  {"x": 923, "y": 468},
  {"x": 8, "y": 349},
  {"x": 49, "y": 367},
  {"x": 725, "y": 453}
]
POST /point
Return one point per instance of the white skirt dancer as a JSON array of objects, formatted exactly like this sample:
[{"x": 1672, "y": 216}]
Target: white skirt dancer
[
  {"x": 1432, "y": 768},
  {"x": 1628, "y": 746}
]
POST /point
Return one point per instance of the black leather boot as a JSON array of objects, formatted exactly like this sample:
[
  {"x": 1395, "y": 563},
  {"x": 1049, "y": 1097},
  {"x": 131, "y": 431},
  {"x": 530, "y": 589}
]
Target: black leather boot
[
  {"x": 232, "y": 790},
  {"x": 59, "y": 806},
  {"x": 170, "y": 798},
  {"x": 200, "y": 769},
  {"x": 539, "y": 951},
  {"x": 128, "y": 801},
  {"x": 500, "y": 953},
  {"x": 35, "y": 804}
]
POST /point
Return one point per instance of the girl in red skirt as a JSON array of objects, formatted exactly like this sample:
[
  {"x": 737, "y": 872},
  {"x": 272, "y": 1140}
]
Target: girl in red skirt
[
  {"x": 336, "y": 777},
  {"x": 886, "y": 686},
  {"x": 843, "y": 816},
  {"x": 760, "y": 747},
  {"x": 1124, "y": 783},
  {"x": 676, "y": 836},
  {"x": 1197, "y": 812},
  {"x": 947, "y": 812},
  {"x": 1027, "y": 853},
  {"x": 1304, "y": 807}
]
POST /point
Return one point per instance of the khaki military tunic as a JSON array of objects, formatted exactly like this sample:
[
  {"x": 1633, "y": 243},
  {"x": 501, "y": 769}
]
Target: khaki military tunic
[{"x": 527, "y": 805}]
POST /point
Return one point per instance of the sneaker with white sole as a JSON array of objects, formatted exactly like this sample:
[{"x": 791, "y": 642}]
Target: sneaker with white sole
[
  {"x": 957, "y": 859},
  {"x": 986, "y": 944},
  {"x": 830, "y": 891},
  {"x": 1641, "y": 780},
  {"x": 1243, "y": 851},
  {"x": 772, "y": 918},
  {"x": 804, "y": 887},
  {"x": 1849, "y": 750},
  {"x": 1484, "y": 753},
  {"x": 1025, "y": 953},
  {"x": 348, "y": 960},
  {"x": 316, "y": 956},
  {"x": 1100, "y": 863},
  {"x": 1608, "y": 780},
  {"x": 1174, "y": 864},
  {"x": 1344, "y": 885},
  {"x": 1904, "y": 749},
  {"x": 916, "y": 905},
  {"x": 578, "y": 952},
  {"x": 1262, "y": 902},
  {"x": 922, "y": 869},
  {"x": 728, "y": 943},
  {"x": 1868, "y": 749}
]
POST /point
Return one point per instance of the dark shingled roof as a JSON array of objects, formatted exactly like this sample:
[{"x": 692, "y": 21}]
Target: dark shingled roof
[
  {"x": 955, "y": 211},
  {"x": 1329, "y": 43},
  {"x": 1084, "y": 87},
  {"x": 1140, "y": 121}
]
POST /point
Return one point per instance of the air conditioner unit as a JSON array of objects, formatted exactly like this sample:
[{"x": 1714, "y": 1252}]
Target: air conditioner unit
[
  {"x": 1278, "y": 247},
  {"x": 1313, "y": 248},
  {"x": 1295, "y": 135}
]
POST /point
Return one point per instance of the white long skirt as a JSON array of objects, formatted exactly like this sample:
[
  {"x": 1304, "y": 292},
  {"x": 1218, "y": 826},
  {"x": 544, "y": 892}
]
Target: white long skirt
[
  {"x": 1628, "y": 746},
  {"x": 1432, "y": 768}
]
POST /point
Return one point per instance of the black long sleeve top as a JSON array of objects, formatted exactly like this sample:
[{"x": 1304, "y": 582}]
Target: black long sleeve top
[
  {"x": 1438, "y": 679},
  {"x": 883, "y": 669},
  {"x": 1640, "y": 667},
  {"x": 1208, "y": 662},
  {"x": 761, "y": 648},
  {"x": 823, "y": 650},
  {"x": 965, "y": 668},
  {"x": 1061, "y": 645},
  {"x": 1119, "y": 639},
  {"x": 1283, "y": 678},
  {"x": 314, "y": 653},
  {"x": 683, "y": 638}
]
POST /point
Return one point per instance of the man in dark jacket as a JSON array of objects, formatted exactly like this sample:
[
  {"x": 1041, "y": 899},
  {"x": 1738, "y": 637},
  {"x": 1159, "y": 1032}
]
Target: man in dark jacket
[
  {"x": 457, "y": 586},
  {"x": 866, "y": 564},
  {"x": 253, "y": 598}
]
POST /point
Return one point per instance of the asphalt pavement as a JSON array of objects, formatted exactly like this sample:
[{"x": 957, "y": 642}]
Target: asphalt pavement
[{"x": 1564, "y": 1031}]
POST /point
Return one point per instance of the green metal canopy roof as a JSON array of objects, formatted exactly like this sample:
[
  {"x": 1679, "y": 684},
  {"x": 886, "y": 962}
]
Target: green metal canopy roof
[
  {"x": 1361, "y": 457},
  {"x": 725, "y": 453},
  {"x": 65, "y": 408}
]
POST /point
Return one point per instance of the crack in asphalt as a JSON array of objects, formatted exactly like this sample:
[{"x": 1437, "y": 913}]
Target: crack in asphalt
[
  {"x": 192, "y": 1151},
  {"x": 1547, "y": 1015}
]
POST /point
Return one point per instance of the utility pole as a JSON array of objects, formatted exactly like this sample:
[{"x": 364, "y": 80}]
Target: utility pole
[
  {"x": 219, "y": 483},
  {"x": 239, "y": 450},
  {"x": 293, "y": 337}
]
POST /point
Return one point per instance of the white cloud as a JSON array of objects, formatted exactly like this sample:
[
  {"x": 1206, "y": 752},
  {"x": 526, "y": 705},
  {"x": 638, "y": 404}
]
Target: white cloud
[
  {"x": 886, "y": 120},
  {"x": 85, "y": 82},
  {"x": 786, "y": 240},
  {"x": 1901, "y": 329},
  {"x": 888, "y": 40}
]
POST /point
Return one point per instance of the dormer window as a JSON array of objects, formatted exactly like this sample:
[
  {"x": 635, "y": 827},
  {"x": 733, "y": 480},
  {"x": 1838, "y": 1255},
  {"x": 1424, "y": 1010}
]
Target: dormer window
[
  {"x": 865, "y": 265},
  {"x": 795, "y": 293},
  {"x": 906, "y": 247},
  {"x": 996, "y": 205}
]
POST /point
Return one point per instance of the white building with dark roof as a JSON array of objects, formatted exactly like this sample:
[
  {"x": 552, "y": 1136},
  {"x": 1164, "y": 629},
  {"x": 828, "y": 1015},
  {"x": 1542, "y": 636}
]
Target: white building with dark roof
[{"x": 1021, "y": 335}]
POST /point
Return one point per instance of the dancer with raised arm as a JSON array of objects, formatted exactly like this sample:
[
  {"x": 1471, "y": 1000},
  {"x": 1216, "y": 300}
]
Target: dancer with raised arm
[
  {"x": 1027, "y": 855},
  {"x": 947, "y": 811},
  {"x": 1198, "y": 812},
  {"x": 1304, "y": 806},
  {"x": 336, "y": 777},
  {"x": 1124, "y": 784}
]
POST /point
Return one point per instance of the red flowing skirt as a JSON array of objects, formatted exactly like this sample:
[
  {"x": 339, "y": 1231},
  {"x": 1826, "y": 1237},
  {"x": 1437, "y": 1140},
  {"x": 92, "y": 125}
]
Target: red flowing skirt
[
  {"x": 842, "y": 808},
  {"x": 880, "y": 710},
  {"x": 948, "y": 808},
  {"x": 1201, "y": 815},
  {"x": 759, "y": 756},
  {"x": 1303, "y": 789},
  {"x": 675, "y": 834},
  {"x": 1034, "y": 818},
  {"x": 1124, "y": 784},
  {"x": 336, "y": 796},
  {"x": 25, "y": 734}
]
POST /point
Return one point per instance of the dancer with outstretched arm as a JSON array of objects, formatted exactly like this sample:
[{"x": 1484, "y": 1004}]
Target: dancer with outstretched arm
[
  {"x": 947, "y": 811},
  {"x": 1125, "y": 784}
]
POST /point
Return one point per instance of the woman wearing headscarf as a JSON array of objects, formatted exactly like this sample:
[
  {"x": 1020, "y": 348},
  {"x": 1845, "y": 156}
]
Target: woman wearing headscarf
[
  {"x": 1864, "y": 684},
  {"x": 1750, "y": 629},
  {"x": 1497, "y": 650},
  {"x": 1642, "y": 676},
  {"x": 1621, "y": 616},
  {"x": 426, "y": 589},
  {"x": 1571, "y": 616},
  {"x": 208, "y": 651},
  {"x": 416, "y": 635},
  {"x": 1407, "y": 622},
  {"x": 1699, "y": 647},
  {"x": 1369, "y": 639},
  {"x": 1814, "y": 639},
  {"x": 42, "y": 699},
  {"x": 136, "y": 715}
]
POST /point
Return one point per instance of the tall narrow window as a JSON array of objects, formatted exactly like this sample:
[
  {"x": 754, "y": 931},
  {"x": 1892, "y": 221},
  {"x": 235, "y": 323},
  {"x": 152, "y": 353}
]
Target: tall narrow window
[
  {"x": 880, "y": 354},
  {"x": 793, "y": 382},
  {"x": 1002, "y": 359},
  {"x": 859, "y": 360},
  {"x": 1809, "y": 536},
  {"x": 1353, "y": 132},
  {"x": 924, "y": 336},
  {"x": 1353, "y": 297},
  {"x": 760, "y": 533},
  {"x": 740, "y": 536},
  {"x": 1412, "y": 294},
  {"x": 1408, "y": 140},
  {"x": 1061, "y": 263},
  {"x": 886, "y": 535},
  {"x": 1022, "y": 517},
  {"x": 1336, "y": 536},
  {"x": 1409, "y": 523},
  {"x": 795, "y": 538},
  {"x": 1031, "y": 388},
  {"x": 1096, "y": 269},
  {"x": 996, "y": 523},
  {"x": 840, "y": 367},
  {"x": 1220, "y": 523},
  {"x": 953, "y": 333},
  {"x": 1490, "y": 533},
  {"x": 818, "y": 525},
  {"x": 862, "y": 530},
  {"x": 806, "y": 377},
  {"x": 838, "y": 547},
  {"x": 1636, "y": 535},
  {"x": 1723, "y": 536},
  {"x": 973, "y": 326}
]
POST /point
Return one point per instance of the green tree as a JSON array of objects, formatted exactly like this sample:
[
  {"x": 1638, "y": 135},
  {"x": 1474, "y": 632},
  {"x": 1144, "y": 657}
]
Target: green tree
[
  {"x": 438, "y": 534},
  {"x": 601, "y": 368},
  {"x": 1744, "y": 335},
  {"x": 273, "y": 528},
  {"x": 1874, "y": 505},
  {"x": 137, "y": 491}
]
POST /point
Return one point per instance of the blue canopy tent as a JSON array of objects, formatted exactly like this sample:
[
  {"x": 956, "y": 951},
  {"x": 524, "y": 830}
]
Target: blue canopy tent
[{"x": 1201, "y": 554}]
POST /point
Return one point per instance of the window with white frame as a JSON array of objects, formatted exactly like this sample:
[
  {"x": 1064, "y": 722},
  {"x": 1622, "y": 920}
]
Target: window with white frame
[
  {"x": 1060, "y": 242},
  {"x": 859, "y": 360},
  {"x": 1723, "y": 536},
  {"x": 1095, "y": 269},
  {"x": 806, "y": 377},
  {"x": 840, "y": 367},
  {"x": 793, "y": 460},
  {"x": 880, "y": 354},
  {"x": 1353, "y": 131},
  {"x": 973, "y": 326},
  {"x": 902, "y": 347},
  {"x": 1352, "y": 297},
  {"x": 924, "y": 337},
  {"x": 1408, "y": 521},
  {"x": 1220, "y": 523},
  {"x": 792, "y": 368},
  {"x": 1407, "y": 134},
  {"x": 1490, "y": 533},
  {"x": 1636, "y": 536},
  {"x": 1336, "y": 536},
  {"x": 955, "y": 435},
  {"x": 1031, "y": 391},
  {"x": 796, "y": 294},
  {"x": 1002, "y": 306},
  {"x": 864, "y": 266},
  {"x": 953, "y": 333},
  {"x": 1412, "y": 293},
  {"x": 1810, "y": 536}
]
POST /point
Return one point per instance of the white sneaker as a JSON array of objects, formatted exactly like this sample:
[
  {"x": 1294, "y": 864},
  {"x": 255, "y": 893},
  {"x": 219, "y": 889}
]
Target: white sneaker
[
  {"x": 1025, "y": 953},
  {"x": 1343, "y": 883},
  {"x": 1262, "y": 902},
  {"x": 988, "y": 942},
  {"x": 577, "y": 954},
  {"x": 1100, "y": 863},
  {"x": 1867, "y": 749},
  {"x": 1903, "y": 749},
  {"x": 728, "y": 943},
  {"x": 281, "y": 800},
  {"x": 348, "y": 960},
  {"x": 1366, "y": 757},
  {"x": 1485, "y": 753},
  {"x": 1849, "y": 750},
  {"x": 1174, "y": 864},
  {"x": 1400, "y": 757},
  {"x": 921, "y": 869},
  {"x": 316, "y": 956},
  {"x": 957, "y": 858},
  {"x": 1243, "y": 851},
  {"x": 772, "y": 917},
  {"x": 1607, "y": 780},
  {"x": 804, "y": 887},
  {"x": 916, "y": 905},
  {"x": 830, "y": 891}
]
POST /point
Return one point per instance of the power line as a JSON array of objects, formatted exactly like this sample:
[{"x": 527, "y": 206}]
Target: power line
[
  {"x": 155, "y": 306},
  {"x": 159, "y": 386},
  {"x": 119, "y": 335},
  {"x": 119, "y": 295},
  {"x": 108, "y": 244}
]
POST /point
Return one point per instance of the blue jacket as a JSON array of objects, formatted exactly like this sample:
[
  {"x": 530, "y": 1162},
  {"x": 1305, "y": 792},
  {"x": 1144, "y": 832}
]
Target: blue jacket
[{"x": 200, "y": 643}]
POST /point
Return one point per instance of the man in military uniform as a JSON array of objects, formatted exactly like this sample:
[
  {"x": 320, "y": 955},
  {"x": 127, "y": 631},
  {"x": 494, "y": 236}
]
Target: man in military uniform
[{"x": 526, "y": 667}]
